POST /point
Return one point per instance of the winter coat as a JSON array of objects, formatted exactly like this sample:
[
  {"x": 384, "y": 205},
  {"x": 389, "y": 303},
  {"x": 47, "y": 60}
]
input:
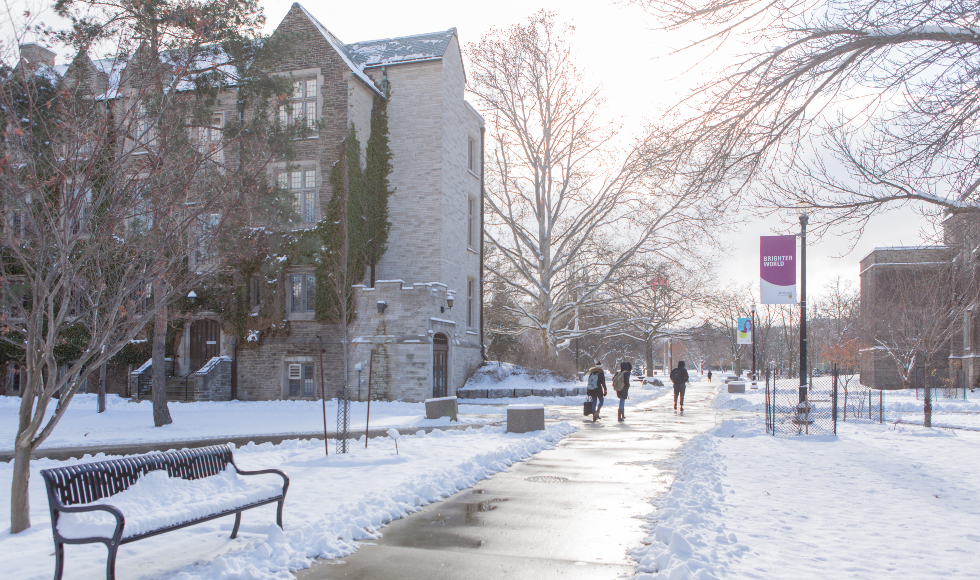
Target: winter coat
[
  {"x": 601, "y": 380},
  {"x": 679, "y": 376},
  {"x": 625, "y": 368}
]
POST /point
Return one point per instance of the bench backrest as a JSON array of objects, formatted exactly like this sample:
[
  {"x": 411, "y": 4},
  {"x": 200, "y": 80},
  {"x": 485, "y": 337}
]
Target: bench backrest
[{"x": 89, "y": 482}]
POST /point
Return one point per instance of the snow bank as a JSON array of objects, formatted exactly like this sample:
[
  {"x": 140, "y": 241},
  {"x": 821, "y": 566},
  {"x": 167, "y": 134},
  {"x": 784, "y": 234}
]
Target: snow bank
[
  {"x": 332, "y": 501},
  {"x": 509, "y": 376},
  {"x": 876, "y": 501}
]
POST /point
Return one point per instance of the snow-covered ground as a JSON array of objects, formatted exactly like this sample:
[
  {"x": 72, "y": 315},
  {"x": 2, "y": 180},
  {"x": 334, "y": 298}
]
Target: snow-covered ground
[
  {"x": 331, "y": 502},
  {"x": 876, "y": 501},
  {"x": 127, "y": 422}
]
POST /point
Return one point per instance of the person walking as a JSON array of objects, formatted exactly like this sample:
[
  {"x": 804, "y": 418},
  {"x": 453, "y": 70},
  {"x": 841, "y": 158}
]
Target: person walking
[
  {"x": 597, "y": 389},
  {"x": 622, "y": 387},
  {"x": 679, "y": 377}
]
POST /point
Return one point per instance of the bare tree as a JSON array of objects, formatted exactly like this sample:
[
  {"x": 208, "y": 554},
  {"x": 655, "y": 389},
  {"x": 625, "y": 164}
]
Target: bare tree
[
  {"x": 103, "y": 207},
  {"x": 566, "y": 211},
  {"x": 845, "y": 107},
  {"x": 912, "y": 321}
]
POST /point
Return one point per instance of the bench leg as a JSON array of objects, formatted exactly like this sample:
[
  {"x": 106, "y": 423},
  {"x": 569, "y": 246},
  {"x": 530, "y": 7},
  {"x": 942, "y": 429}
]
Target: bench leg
[
  {"x": 238, "y": 522},
  {"x": 110, "y": 567},
  {"x": 279, "y": 513},
  {"x": 59, "y": 560}
]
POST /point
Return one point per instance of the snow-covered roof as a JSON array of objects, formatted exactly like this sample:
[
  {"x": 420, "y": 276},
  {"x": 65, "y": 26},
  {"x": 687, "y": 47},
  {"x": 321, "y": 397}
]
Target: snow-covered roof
[{"x": 402, "y": 49}]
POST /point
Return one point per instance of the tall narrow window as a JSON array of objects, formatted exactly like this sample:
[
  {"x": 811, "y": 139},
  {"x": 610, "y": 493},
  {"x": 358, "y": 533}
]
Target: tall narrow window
[
  {"x": 146, "y": 133},
  {"x": 255, "y": 291},
  {"x": 302, "y": 292},
  {"x": 302, "y": 108},
  {"x": 207, "y": 226},
  {"x": 471, "y": 155},
  {"x": 209, "y": 138},
  {"x": 968, "y": 330},
  {"x": 470, "y": 301},
  {"x": 471, "y": 223},
  {"x": 303, "y": 184}
]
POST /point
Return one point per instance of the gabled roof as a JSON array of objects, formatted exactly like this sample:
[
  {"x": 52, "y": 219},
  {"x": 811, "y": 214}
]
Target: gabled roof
[
  {"x": 339, "y": 47},
  {"x": 402, "y": 49}
]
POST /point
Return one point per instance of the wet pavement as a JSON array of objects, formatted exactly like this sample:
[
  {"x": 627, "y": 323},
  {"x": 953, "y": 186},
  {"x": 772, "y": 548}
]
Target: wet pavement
[{"x": 569, "y": 512}]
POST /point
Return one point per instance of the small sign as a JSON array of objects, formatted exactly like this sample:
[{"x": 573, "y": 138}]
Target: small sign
[{"x": 211, "y": 342}]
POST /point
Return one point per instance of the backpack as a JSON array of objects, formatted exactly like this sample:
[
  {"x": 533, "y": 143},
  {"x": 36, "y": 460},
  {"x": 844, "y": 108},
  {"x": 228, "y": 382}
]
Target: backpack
[
  {"x": 594, "y": 381},
  {"x": 618, "y": 382},
  {"x": 677, "y": 375}
]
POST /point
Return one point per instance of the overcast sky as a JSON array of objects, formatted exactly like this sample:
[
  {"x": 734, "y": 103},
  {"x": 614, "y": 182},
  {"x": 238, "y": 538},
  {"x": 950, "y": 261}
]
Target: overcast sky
[{"x": 618, "y": 49}]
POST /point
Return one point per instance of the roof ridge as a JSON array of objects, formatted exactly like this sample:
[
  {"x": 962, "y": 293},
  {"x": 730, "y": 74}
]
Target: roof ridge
[
  {"x": 339, "y": 46},
  {"x": 452, "y": 30}
]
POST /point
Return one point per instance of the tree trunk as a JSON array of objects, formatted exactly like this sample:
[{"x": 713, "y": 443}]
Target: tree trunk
[
  {"x": 102, "y": 389},
  {"x": 20, "y": 512},
  {"x": 161, "y": 413},
  {"x": 648, "y": 357},
  {"x": 927, "y": 404}
]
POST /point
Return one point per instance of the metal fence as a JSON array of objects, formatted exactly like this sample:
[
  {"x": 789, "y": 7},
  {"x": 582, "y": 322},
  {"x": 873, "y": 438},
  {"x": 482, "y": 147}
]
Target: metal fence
[
  {"x": 343, "y": 419},
  {"x": 821, "y": 405}
]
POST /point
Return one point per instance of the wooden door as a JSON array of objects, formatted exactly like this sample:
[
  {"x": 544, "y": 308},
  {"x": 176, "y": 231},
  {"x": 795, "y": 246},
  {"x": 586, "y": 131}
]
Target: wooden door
[
  {"x": 440, "y": 365},
  {"x": 205, "y": 342}
]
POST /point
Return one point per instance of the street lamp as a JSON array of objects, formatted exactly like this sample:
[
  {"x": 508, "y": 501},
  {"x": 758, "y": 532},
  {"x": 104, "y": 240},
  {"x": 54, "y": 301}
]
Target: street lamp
[
  {"x": 804, "y": 219},
  {"x": 754, "y": 377}
]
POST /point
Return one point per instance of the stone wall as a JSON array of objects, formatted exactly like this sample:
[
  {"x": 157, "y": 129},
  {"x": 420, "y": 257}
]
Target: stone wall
[{"x": 213, "y": 381}]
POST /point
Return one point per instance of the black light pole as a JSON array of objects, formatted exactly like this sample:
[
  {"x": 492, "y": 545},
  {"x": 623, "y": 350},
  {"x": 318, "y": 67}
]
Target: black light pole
[
  {"x": 803, "y": 373},
  {"x": 754, "y": 377}
]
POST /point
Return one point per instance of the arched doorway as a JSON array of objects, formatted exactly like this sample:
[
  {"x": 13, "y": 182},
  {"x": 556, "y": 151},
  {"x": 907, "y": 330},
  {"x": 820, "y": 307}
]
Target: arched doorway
[
  {"x": 440, "y": 365},
  {"x": 205, "y": 342}
]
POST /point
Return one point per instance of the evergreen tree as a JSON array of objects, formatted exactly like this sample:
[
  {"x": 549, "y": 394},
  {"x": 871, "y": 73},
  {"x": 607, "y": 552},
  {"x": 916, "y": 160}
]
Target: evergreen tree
[
  {"x": 342, "y": 233},
  {"x": 377, "y": 189}
]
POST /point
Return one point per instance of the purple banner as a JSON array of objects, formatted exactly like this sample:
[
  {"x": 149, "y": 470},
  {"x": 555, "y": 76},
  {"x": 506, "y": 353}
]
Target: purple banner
[{"x": 777, "y": 269}]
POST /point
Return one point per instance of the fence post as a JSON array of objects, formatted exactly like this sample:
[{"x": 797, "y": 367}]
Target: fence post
[
  {"x": 834, "y": 400},
  {"x": 881, "y": 406}
]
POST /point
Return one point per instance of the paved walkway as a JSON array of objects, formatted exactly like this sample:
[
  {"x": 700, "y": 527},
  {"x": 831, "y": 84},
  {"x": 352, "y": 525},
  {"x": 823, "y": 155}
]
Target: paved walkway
[{"x": 568, "y": 512}]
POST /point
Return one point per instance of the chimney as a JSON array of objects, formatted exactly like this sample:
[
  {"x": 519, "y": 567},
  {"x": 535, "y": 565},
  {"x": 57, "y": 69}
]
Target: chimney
[{"x": 36, "y": 55}]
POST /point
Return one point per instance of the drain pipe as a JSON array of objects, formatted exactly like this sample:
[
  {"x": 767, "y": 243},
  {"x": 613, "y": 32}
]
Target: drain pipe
[
  {"x": 234, "y": 368},
  {"x": 483, "y": 137}
]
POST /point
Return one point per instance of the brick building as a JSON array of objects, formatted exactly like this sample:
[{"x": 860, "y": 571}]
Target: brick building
[
  {"x": 426, "y": 338},
  {"x": 921, "y": 299}
]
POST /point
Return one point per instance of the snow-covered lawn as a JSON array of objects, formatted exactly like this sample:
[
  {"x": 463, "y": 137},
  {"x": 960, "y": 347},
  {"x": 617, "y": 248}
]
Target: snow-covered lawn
[
  {"x": 331, "y": 502},
  {"x": 127, "y": 422},
  {"x": 878, "y": 500}
]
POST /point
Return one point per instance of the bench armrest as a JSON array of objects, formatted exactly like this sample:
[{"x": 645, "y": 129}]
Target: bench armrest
[
  {"x": 285, "y": 478},
  {"x": 113, "y": 510}
]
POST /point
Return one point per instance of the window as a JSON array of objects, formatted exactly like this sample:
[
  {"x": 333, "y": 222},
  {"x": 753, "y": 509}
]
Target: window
[
  {"x": 303, "y": 184},
  {"x": 471, "y": 223},
  {"x": 255, "y": 291},
  {"x": 209, "y": 138},
  {"x": 302, "y": 293},
  {"x": 145, "y": 132},
  {"x": 302, "y": 107},
  {"x": 470, "y": 301},
  {"x": 471, "y": 155},
  {"x": 207, "y": 226},
  {"x": 80, "y": 205},
  {"x": 301, "y": 380}
]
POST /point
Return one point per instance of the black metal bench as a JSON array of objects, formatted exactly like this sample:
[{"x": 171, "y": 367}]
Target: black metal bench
[{"x": 70, "y": 488}]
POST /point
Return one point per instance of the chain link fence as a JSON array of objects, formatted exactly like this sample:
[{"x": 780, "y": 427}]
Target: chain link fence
[
  {"x": 818, "y": 407},
  {"x": 343, "y": 419}
]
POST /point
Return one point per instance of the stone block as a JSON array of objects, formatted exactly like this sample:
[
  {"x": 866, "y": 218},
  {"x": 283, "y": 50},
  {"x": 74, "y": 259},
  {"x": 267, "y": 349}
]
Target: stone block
[
  {"x": 525, "y": 418},
  {"x": 736, "y": 387},
  {"x": 560, "y": 392},
  {"x": 500, "y": 393},
  {"x": 441, "y": 407},
  {"x": 523, "y": 392},
  {"x": 542, "y": 392}
]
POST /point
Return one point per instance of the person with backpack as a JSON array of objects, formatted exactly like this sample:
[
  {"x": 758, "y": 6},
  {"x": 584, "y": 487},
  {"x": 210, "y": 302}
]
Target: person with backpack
[
  {"x": 597, "y": 388},
  {"x": 709, "y": 376},
  {"x": 679, "y": 377},
  {"x": 621, "y": 383}
]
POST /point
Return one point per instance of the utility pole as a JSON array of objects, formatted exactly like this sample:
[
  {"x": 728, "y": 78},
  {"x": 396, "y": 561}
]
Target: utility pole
[{"x": 804, "y": 219}]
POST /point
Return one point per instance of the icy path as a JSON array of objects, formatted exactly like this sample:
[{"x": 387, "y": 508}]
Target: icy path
[{"x": 571, "y": 512}]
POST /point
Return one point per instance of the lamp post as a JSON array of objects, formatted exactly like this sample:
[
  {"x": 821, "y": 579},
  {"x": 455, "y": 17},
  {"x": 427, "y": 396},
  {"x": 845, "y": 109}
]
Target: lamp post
[
  {"x": 753, "y": 343},
  {"x": 804, "y": 219}
]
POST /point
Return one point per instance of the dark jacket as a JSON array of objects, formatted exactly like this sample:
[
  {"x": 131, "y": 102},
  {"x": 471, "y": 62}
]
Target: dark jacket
[
  {"x": 601, "y": 381},
  {"x": 679, "y": 376},
  {"x": 626, "y": 368}
]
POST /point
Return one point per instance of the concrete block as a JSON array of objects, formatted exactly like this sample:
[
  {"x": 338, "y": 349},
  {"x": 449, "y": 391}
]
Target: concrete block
[
  {"x": 525, "y": 418},
  {"x": 499, "y": 393},
  {"x": 736, "y": 387},
  {"x": 523, "y": 392},
  {"x": 441, "y": 407},
  {"x": 559, "y": 392},
  {"x": 542, "y": 392}
]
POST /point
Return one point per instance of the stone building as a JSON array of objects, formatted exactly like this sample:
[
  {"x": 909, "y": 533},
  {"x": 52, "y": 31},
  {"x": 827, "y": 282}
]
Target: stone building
[
  {"x": 921, "y": 299},
  {"x": 420, "y": 325}
]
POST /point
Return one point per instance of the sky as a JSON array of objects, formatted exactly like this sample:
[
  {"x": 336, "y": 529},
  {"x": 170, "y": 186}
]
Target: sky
[{"x": 618, "y": 49}]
